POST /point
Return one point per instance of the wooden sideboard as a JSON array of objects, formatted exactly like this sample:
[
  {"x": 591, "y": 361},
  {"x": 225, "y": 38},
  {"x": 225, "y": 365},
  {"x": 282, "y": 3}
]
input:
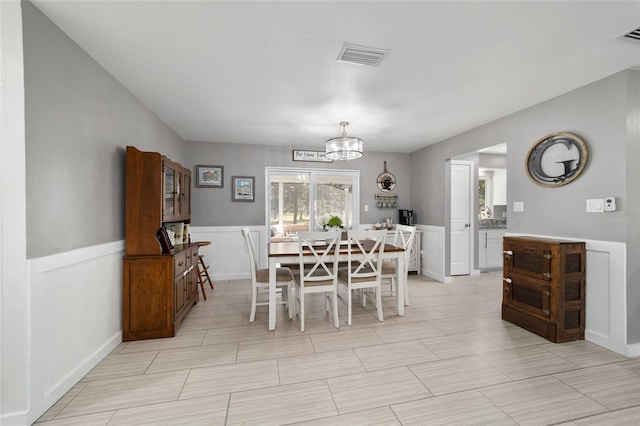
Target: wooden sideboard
[
  {"x": 544, "y": 286},
  {"x": 159, "y": 288}
]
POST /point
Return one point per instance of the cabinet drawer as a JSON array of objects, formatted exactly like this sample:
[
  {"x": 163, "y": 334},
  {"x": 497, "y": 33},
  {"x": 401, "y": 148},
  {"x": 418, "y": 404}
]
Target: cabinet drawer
[
  {"x": 193, "y": 254},
  {"x": 535, "y": 297},
  {"x": 180, "y": 263},
  {"x": 531, "y": 261}
]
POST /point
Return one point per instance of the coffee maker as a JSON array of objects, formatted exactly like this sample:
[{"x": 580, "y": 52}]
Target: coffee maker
[{"x": 406, "y": 217}]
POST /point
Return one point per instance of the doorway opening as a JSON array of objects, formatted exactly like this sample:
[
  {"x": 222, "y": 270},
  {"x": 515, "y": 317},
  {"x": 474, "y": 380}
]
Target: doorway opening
[{"x": 477, "y": 210}]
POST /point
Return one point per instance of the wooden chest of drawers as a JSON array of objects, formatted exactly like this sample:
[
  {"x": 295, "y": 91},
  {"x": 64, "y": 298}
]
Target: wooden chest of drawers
[{"x": 544, "y": 286}]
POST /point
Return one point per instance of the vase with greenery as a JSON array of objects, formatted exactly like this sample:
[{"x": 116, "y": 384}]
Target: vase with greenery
[{"x": 332, "y": 223}]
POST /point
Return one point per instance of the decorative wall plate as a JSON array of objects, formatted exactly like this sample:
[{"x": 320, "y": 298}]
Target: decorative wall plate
[
  {"x": 557, "y": 159},
  {"x": 386, "y": 181}
]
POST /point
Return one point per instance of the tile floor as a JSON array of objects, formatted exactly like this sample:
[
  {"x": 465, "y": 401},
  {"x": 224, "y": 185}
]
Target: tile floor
[{"x": 450, "y": 360}]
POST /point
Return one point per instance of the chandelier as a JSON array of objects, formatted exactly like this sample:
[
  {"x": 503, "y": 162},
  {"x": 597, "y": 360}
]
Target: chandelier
[{"x": 344, "y": 147}]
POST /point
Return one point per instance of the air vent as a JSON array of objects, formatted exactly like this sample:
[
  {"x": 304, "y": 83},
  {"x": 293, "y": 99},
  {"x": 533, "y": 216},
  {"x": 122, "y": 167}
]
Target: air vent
[
  {"x": 633, "y": 35},
  {"x": 361, "y": 55}
]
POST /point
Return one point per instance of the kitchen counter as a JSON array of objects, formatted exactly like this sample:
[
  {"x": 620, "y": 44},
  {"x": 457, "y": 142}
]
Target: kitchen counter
[{"x": 492, "y": 224}]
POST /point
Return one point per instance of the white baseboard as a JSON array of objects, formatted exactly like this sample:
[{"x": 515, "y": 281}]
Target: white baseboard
[
  {"x": 57, "y": 390},
  {"x": 629, "y": 350}
]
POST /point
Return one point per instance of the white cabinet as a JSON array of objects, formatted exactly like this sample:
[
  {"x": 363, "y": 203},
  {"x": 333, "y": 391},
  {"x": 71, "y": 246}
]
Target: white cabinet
[
  {"x": 490, "y": 248},
  {"x": 414, "y": 258}
]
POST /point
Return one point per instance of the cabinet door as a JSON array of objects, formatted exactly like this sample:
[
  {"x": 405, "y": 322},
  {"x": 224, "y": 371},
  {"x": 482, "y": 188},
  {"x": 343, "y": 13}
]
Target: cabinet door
[
  {"x": 414, "y": 256},
  {"x": 147, "y": 293},
  {"x": 494, "y": 248},
  {"x": 172, "y": 183},
  {"x": 186, "y": 195},
  {"x": 533, "y": 296},
  {"x": 177, "y": 194},
  {"x": 179, "y": 294},
  {"x": 170, "y": 186},
  {"x": 482, "y": 250},
  {"x": 527, "y": 259},
  {"x": 194, "y": 294}
]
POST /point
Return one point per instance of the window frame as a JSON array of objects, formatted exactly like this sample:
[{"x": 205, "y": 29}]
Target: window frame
[{"x": 313, "y": 173}]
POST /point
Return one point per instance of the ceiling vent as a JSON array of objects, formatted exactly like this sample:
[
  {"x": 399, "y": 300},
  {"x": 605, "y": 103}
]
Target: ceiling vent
[
  {"x": 633, "y": 35},
  {"x": 361, "y": 55}
]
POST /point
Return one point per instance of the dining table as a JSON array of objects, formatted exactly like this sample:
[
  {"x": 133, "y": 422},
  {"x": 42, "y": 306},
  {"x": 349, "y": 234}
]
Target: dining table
[{"x": 286, "y": 252}]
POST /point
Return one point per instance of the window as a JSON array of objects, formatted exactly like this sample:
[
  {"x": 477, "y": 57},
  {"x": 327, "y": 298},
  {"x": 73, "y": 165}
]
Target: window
[
  {"x": 301, "y": 199},
  {"x": 485, "y": 193}
]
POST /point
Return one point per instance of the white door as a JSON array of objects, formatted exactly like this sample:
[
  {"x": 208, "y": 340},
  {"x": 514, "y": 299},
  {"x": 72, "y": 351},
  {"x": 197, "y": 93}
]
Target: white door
[{"x": 460, "y": 223}]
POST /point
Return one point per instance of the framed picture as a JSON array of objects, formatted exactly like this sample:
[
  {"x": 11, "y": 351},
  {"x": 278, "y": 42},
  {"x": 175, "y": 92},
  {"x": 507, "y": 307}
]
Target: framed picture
[
  {"x": 209, "y": 176},
  {"x": 243, "y": 188}
]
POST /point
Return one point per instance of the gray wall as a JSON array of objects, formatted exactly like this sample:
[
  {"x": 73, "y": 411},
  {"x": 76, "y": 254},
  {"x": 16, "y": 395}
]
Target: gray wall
[
  {"x": 79, "y": 120},
  {"x": 596, "y": 112},
  {"x": 494, "y": 161},
  {"x": 606, "y": 115},
  {"x": 632, "y": 210},
  {"x": 213, "y": 206}
]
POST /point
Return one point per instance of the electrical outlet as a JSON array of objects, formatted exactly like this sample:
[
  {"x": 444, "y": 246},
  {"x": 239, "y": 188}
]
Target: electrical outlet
[
  {"x": 610, "y": 204},
  {"x": 366, "y": 207},
  {"x": 518, "y": 206}
]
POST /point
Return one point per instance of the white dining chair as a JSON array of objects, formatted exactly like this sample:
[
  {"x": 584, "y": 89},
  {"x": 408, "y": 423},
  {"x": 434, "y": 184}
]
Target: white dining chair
[
  {"x": 260, "y": 279},
  {"x": 364, "y": 266},
  {"x": 403, "y": 237},
  {"x": 318, "y": 270}
]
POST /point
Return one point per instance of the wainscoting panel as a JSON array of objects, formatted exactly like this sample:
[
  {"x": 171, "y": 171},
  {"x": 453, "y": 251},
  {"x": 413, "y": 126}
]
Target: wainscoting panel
[
  {"x": 433, "y": 252},
  {"x": 598, "y": 300},
  {"x": 606, "y": 296},
  {"x": 76, "y": 318},
  {"x": 226, "y": 255}
]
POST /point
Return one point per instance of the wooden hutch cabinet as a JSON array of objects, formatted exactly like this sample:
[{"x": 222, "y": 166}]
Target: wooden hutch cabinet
[
  {"x": 544, "y": 286},
  {"x": 158, "y": 288}
]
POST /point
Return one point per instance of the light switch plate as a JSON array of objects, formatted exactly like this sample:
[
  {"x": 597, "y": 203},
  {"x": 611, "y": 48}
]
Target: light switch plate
[
  {"x": 595, "y": 205},
  {"x": 518, "y": 206}
]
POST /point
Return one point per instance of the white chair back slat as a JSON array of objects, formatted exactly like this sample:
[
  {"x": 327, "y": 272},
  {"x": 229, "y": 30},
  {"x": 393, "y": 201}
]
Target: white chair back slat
[
  {"x": 325, "y": 263},
  {"x": 404, "y": 237},
  {"x": 369, "y": 266},
  {"x": 250, "y": 246}
]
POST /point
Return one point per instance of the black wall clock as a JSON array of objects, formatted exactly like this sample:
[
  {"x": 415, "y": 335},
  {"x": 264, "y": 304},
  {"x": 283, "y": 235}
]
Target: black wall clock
[
  {"x": 386, "y": 181},
  {"x": 557, "y": 159}
]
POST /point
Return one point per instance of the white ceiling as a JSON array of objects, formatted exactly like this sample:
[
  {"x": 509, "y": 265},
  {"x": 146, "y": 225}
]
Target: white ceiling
[{"x": 266, "y": 72}]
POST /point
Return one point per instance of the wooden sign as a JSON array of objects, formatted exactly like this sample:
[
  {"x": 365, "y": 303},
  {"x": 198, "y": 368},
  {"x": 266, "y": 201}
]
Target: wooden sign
[{"x": 317, "y": 156}]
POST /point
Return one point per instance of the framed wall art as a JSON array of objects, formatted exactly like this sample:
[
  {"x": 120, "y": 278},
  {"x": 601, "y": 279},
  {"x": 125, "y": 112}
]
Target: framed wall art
[
  {"x": 243, "y": 188},
  {"x": 209, "y": 176},
  {"x": 557, "y": 159}
]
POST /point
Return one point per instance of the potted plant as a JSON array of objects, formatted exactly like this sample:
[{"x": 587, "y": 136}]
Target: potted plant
[{"x": 332, "y": 222}]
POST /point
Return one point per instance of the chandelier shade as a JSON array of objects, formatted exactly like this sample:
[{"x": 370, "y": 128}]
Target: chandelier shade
[{"x": 344, "y": 147}]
